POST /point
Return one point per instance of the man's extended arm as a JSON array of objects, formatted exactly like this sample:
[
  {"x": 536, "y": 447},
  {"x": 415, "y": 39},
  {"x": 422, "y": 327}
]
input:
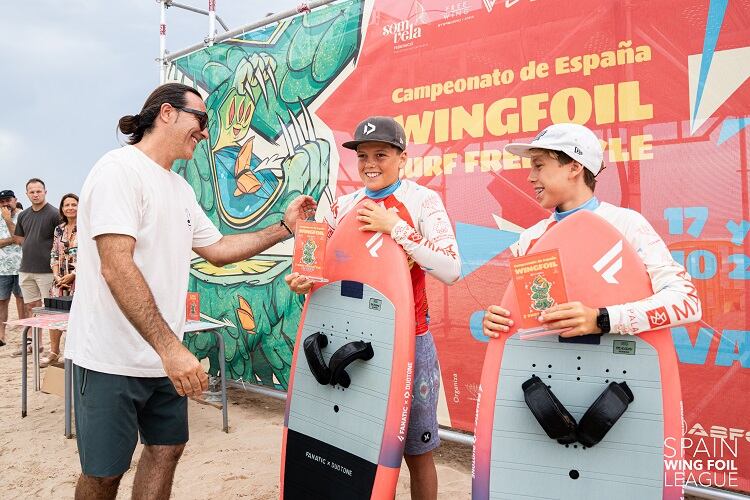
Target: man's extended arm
[{"x": 238, "y": 247}]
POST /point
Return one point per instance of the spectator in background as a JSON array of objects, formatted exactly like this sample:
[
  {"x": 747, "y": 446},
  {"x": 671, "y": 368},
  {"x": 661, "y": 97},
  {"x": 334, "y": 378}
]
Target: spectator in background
[
  {"x": 19, "y": 205},
  {"x": 10, "y": 259},
  {"x": 34, "y": 232},
  {"x": 63, "y": 263}
]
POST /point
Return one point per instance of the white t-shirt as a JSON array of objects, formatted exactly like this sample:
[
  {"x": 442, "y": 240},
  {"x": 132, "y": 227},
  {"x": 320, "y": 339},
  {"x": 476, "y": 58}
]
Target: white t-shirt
[{"x": 128, "y": 193}]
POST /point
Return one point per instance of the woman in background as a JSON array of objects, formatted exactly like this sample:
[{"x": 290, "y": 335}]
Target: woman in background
[{"x": 63, "y": 263}]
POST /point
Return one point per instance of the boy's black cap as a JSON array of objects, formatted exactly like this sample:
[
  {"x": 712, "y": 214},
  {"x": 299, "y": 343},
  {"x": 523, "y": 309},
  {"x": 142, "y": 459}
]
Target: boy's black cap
[
  {"x": 378, "y": 129},
  {"x": 7, "y": 194}
]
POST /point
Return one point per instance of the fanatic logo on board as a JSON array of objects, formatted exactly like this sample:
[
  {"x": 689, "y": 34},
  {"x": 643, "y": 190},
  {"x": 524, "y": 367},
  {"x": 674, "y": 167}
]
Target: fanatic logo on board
[
  {"x": 610, "y": 263},
  {"x": 489, "y": 4},
  {"x": 374, "y": 244}
]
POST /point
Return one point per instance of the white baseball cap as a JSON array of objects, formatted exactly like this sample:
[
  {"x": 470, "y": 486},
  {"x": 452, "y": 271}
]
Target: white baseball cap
[{"x": 575, "y": 140}]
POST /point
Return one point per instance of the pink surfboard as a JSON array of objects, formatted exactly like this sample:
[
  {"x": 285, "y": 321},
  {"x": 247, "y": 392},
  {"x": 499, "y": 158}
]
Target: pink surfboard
[
  {"x": 347, "y": 442},
  {"x": 513, "y": 456}
]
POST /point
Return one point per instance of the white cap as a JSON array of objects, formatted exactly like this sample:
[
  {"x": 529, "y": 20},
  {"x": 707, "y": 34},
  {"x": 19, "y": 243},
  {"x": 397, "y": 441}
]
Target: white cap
[{"x": 575, "y": 140}]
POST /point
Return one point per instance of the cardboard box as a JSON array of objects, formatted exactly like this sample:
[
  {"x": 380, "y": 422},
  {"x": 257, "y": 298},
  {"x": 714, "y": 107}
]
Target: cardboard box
[{"x": 53, "y": 381}]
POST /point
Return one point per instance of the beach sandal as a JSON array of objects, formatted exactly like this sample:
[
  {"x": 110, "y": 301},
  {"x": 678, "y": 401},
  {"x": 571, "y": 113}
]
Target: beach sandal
[{"x": 50, "y": 358}]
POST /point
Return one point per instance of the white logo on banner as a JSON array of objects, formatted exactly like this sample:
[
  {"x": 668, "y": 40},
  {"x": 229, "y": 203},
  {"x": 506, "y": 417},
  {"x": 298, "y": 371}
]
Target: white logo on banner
[{"x": 489, "y": 4}]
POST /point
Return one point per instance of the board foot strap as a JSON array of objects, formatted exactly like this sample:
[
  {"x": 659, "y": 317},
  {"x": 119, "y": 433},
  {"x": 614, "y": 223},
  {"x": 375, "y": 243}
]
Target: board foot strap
[
  {"x": 346, "y": 355},
  {"x": 559, "y": 424},
  {"x": 604, "y": 413},
  {"x": 312, "y": 346},
  {"x": 551, "y": 414}
]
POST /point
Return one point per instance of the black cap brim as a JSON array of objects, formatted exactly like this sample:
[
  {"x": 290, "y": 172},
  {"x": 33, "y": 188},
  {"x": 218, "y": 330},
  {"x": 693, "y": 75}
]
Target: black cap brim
[{"x": 353, "y": 144}]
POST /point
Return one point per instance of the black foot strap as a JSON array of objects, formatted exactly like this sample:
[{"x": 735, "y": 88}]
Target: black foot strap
[
  {"x": 604, "y": 413},
  {"x": 554, "y": 418},
  {"x": 312, "y": 346},
  {"x": 346, "y": 355}
]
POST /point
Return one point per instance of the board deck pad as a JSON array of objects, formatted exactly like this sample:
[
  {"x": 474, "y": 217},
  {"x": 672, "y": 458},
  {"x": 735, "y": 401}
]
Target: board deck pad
[
  {"x": 347, "y": 443},
  {"x": 514, "y": 457}
]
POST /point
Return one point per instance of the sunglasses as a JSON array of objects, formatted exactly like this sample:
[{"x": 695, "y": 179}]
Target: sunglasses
[{"x": 202, "y": 116}]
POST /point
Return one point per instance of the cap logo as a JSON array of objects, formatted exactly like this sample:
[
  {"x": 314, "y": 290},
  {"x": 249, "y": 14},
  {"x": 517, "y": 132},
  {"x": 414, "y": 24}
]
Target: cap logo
[
  {"x": 368, "y": 129},
  {"x": 577, "y": 151},
  {"x": 539, "y": 136}
]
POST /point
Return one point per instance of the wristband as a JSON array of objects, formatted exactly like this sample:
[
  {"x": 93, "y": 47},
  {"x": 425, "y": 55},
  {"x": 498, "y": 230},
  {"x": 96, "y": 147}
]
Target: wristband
[{"x": 283, "y": 224}]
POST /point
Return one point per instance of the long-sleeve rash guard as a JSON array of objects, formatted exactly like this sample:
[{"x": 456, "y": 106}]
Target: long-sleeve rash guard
[
  {"x": 424, "y": 232},
  {"x": 675, "y": 300}
]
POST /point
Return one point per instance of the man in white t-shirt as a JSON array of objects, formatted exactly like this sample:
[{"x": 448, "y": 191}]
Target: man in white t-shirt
[{"x": 138, "y": 222}]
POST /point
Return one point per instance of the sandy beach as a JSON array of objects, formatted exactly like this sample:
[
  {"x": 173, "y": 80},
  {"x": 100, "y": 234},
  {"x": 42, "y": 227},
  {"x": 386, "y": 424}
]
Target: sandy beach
[{"x": 36, "y": 461}]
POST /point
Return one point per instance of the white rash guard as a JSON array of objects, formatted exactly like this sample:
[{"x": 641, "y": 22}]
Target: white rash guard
[{"x": 424, "y": 232}]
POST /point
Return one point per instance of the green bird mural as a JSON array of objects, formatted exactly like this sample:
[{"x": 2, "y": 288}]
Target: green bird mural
[{"x": 264, "y": 150}]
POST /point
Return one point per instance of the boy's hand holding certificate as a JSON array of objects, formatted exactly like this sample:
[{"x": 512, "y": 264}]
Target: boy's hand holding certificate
[
  {"x": 310, "y": 239},
  {"x": 540, "y": 284}
]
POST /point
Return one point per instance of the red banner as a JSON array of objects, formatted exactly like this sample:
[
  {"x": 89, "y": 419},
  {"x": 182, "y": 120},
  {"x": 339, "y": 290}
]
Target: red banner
[{"x": 665, "y": 87}]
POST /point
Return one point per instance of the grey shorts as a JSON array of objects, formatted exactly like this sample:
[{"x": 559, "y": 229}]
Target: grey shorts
[
  {"x": 112, "y": 410},
  {"x": 9, "y": 284},
  {"x": 422, "y": 434}
]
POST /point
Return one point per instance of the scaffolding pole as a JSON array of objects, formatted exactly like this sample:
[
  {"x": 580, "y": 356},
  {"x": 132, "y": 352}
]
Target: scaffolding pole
[
  {"x": 211, "y": 22},
  {"x": 305, "y": 7},
  {"x": 190, "y": 8},
  {"x": 162, "y": 42}
]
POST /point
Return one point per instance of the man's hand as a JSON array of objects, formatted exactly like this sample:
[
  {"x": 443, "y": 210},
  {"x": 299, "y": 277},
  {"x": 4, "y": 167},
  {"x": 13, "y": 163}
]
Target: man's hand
[
  {"x": 496, "y": 321},
  {"x": 576, "y": 317},
  {"x": 6, "y": 214},
  {"x": 301, "y": 208},
  {"x": 185, "y": 371},
  {"x": 298, "y": 283},
  {"x": 377, "y": 218}
]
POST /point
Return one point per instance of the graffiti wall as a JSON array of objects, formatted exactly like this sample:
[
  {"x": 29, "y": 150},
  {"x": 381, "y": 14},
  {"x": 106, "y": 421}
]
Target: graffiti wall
[
  {"x": 265, "y": 149},
  {"x": 664, "y": 84}
]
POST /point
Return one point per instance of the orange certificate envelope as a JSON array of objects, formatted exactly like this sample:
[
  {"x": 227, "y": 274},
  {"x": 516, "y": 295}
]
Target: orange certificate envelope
[
  {"x": 310, "y": 239},
  {"x": 540, "y": 284}
]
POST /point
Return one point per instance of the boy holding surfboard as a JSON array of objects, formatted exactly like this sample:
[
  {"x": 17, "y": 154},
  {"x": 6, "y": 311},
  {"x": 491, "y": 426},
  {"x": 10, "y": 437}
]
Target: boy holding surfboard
[
  {"x": 414, "y": 216},
  {"x": 565, "y": 160}
]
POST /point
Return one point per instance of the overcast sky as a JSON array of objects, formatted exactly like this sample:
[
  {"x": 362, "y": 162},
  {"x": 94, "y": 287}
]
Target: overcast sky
[{"x": 72, "y": 68}]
